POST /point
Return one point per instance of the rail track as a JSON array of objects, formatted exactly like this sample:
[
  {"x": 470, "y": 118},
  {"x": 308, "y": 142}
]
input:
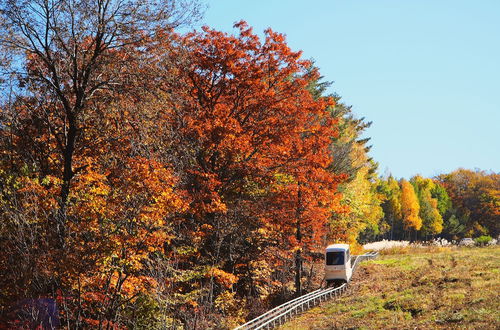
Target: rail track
[{"x": 284, "y": 312}]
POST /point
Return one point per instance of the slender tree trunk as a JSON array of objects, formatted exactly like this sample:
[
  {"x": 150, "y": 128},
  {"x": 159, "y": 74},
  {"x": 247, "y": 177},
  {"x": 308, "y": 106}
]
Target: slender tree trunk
[
  {"x": 298, "y": 254},
  {"x": 298, "y": 273},
  {"x": 392, "y": 227},
  {"x": 67, "y": 177}
]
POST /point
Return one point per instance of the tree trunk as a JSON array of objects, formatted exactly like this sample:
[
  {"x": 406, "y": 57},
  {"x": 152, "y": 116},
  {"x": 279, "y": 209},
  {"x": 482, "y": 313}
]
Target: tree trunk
[
  {"x": 392, "y": 227},
  {"x": 298, "y": 254},
  {"x": 68, "y": 174},
  {"x": 298, "y": 273}
]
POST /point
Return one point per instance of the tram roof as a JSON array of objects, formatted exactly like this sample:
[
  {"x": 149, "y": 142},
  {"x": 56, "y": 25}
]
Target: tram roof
[{"x": 337, "y": 247}]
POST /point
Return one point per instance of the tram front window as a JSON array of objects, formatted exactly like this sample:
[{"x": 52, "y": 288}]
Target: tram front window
[{"x": 334, "y": 258}]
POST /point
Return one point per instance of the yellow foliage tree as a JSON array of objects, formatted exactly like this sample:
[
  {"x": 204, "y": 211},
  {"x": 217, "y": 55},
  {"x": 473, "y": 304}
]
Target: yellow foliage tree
[
  {"x": 364, "y": 205},
  {"x": 410, "y": 207},
  {"x": 432, "y": 221}
]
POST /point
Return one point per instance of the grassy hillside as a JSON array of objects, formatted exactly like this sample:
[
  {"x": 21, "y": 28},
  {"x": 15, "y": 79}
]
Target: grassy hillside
[{"x": 430, "y": 288}]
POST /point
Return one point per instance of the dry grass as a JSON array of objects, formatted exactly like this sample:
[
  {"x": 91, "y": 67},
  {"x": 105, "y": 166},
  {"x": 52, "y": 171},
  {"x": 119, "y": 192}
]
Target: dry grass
[
  {"x": 412, "y": 249},
  {"x": 425, "y": 288}
]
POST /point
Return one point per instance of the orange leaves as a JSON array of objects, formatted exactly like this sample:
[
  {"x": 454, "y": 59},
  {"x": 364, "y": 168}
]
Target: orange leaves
[
  {"x": 476, "y": 198},
  {"x": 121, "y": 216},
  {"x": 222, "y": 277},
  {"x": 248, "y": 135},
  {"x": 410, "y": 206},
  {"x": 90, "y": 193},
  {"x": 155, "y": 183},
  {"x": 39, "y": 195},
  {"x": 253, "y": 118}
]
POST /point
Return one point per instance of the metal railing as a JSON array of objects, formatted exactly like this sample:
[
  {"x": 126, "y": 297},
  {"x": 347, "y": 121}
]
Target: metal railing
[{"x": 284, "y": 312}]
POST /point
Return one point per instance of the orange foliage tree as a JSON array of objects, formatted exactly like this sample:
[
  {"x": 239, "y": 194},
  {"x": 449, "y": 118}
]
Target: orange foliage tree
[
  {"x": 476, "y": 200},
  {"x": 252, "y": 148},
  {"x": 410, "y": 206}
]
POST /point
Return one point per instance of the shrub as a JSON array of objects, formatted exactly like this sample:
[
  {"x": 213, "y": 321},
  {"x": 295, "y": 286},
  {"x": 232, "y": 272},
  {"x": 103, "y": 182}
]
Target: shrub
[{"x": 483, "y": 240}]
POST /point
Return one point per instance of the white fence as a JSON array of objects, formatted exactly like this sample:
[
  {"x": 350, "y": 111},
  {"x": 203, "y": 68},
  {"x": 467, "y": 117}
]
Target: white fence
[{"x": 283, "y": 313}]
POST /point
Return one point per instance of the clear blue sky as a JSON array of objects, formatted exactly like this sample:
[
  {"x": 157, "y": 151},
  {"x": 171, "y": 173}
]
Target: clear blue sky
[{"x": 426, "y": 72}]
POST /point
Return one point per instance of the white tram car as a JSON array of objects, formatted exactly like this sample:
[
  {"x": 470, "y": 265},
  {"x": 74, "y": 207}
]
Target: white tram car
[{"x": 338, "y": 265}]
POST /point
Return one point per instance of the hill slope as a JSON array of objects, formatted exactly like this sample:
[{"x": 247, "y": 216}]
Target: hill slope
[{"x": 429, "y": 288}]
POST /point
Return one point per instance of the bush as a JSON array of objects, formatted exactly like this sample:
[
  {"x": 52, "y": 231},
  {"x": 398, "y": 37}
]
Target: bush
[{"x": 483, "y": 240}]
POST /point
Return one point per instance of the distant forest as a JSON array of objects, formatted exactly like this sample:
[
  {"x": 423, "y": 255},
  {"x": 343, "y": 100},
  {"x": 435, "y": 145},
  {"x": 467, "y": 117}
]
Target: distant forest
[
  {"x": 151, "y": 179},
  {"x": 463, "y": 203}
]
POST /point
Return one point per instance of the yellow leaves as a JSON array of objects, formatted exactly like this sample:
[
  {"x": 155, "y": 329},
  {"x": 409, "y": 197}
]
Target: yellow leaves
[
  {"x": 206, "y": 227},
  {"x": 226, "y": 301},
  {"x": 410, "y": 206},
  {"x": 285, "y": 178},
  {"x": 50, "y": 180},
  {"x": 232, "y": 307},
  {"x": 261, "y": 271},
  {"x": 363, "y": 205},
  {"x": 437, "y": 225},
  {"x": 394, "y": 197},
  {"x": 265, "y": 232},
  {"x": 432, "y": 221}
]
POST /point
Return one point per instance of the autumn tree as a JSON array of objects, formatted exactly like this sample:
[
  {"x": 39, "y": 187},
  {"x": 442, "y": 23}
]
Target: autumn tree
[
  {"x": 350, "y": 150},
  {"x": 363, "y": 208},
  {"x": 432, "y": 221},
  {"x": 121, "y": 209},
  {"x": 253, "y": 144},
  {"x": 359, "y": 194},
  {"x": 360, "y": 201},
  {"x": 410, "y": 206},
  {"x": 444, "y": 203},
  {"x": 391, "y": 226},
  {"x": 66, "y": 53},
  {"x": 475, "y": 199},
  {"x": 83, "y": 199}
]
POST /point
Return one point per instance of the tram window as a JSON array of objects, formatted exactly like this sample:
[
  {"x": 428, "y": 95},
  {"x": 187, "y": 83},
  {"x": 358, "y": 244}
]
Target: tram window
[{"x": 335, "y": 258}]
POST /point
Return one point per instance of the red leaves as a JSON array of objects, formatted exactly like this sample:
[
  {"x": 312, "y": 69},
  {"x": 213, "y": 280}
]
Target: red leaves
[{"x": 259, "y": 137}]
